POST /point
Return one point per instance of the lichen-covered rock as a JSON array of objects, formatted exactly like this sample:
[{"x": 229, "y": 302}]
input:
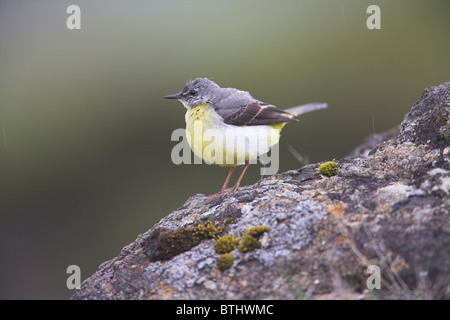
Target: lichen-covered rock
[
  {"x": 388, "y": 207},
  {"x": 428, "y": 121}
]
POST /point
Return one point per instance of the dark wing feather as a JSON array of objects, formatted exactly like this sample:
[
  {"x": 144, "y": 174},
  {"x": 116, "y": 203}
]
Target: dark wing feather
[{"x": 258, "y": 113}]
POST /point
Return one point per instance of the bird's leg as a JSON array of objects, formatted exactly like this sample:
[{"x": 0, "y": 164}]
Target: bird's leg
[
  {"x": 236, "y": 186},
  {"x": 228, "y": 178},
  {"x": 224, "y": 189}
]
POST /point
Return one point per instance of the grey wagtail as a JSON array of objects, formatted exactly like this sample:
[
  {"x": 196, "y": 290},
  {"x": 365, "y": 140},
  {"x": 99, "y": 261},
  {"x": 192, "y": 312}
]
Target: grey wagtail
[{"x": 229, "y": 127}]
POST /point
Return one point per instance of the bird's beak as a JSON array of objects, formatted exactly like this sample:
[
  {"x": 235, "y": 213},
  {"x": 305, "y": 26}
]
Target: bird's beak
[{"x": 174, "y": 96}]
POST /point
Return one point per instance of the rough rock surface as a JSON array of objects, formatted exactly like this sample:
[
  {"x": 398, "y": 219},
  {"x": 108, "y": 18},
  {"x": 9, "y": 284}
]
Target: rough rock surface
[{"x": 388, "y": 208}]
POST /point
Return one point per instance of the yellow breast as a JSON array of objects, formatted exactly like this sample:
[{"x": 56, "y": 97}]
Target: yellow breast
[
  {"x": 219, "y": 143},
  {"x": 200, "y": 113}
]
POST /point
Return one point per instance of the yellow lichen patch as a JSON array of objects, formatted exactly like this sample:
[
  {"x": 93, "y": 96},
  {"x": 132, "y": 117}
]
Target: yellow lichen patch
[
  {"x": 341, "y": 240},
  {"x": 355, "y": 217},
  {"x": 337, "y": 208},
  {"x": 396, "y": 268},
  {"x": 215, "y": 273},
  {"x": 167, "y": 292},
  {"x": 385, "y": 207},
  {"x": 194, "y": 216},
  {"x": 319, "y": 198}
]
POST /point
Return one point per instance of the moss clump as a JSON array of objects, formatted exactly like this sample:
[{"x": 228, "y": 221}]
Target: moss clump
[
  {"x": 257, "y": 231},
  {"x": 206, "y": 230},
  {"x": 163, "y": 244},
  {"x": 328, "y": 168},
  {"x": 229, "y": 220},
  {"x": 225, "y": 261},
  {"x": 226, "y": 244},
  {"x": 250, "y": 241}
]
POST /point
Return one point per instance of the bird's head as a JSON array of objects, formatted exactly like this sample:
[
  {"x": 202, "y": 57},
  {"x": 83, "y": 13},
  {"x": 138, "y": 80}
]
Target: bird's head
[{"x": 195, "y": 92}]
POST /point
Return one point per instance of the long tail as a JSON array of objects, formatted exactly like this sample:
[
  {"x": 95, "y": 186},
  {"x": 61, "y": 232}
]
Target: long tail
[{"x": 305, "y": 108}]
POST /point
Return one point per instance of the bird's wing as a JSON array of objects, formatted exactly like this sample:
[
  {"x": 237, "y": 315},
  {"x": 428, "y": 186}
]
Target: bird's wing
[{"x": 256, "y": 113}]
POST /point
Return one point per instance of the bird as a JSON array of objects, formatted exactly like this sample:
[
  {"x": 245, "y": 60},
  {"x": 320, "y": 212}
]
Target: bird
[{"x": 228, "y": 127}]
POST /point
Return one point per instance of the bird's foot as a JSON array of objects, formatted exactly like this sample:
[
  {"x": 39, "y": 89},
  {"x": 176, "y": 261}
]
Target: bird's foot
[{"x": 223, "y": 192}]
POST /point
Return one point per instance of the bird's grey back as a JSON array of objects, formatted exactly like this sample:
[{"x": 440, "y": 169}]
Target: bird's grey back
[{"x": 228, "y": 101}]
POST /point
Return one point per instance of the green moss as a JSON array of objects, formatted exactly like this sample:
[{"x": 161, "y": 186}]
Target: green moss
[
  {"x": 328, "y": 168},
  {"x": 257, "y": 231},
  {"x": 206, "y": 230},
  {"x": 225, "y": 261},
  {"x": 163, "y": 244},
  {"x": 226, "y": 244},
  {"x": 229, "y": 220},
  {"x": 248, "y": 243},
  {"x": 249, "y": 239}
]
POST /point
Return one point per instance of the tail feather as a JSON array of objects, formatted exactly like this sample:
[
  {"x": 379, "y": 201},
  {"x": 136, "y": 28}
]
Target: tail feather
[{"x": 305, "y": 108}]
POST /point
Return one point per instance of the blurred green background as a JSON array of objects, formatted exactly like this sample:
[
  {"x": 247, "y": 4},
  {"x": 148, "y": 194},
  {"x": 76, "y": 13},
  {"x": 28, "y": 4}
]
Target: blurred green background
[{"x": 85, "y": 133}]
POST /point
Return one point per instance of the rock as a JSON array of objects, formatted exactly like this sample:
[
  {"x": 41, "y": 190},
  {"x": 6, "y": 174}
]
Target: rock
[
  {"x": 388, "y": 207},
  {"x": 428, "y": 121},
  {"x": 373, "y": 141}
]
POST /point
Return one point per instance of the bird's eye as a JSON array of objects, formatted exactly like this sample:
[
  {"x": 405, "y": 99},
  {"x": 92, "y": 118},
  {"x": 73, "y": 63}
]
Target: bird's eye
[{"x": 192, "y": 92}]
